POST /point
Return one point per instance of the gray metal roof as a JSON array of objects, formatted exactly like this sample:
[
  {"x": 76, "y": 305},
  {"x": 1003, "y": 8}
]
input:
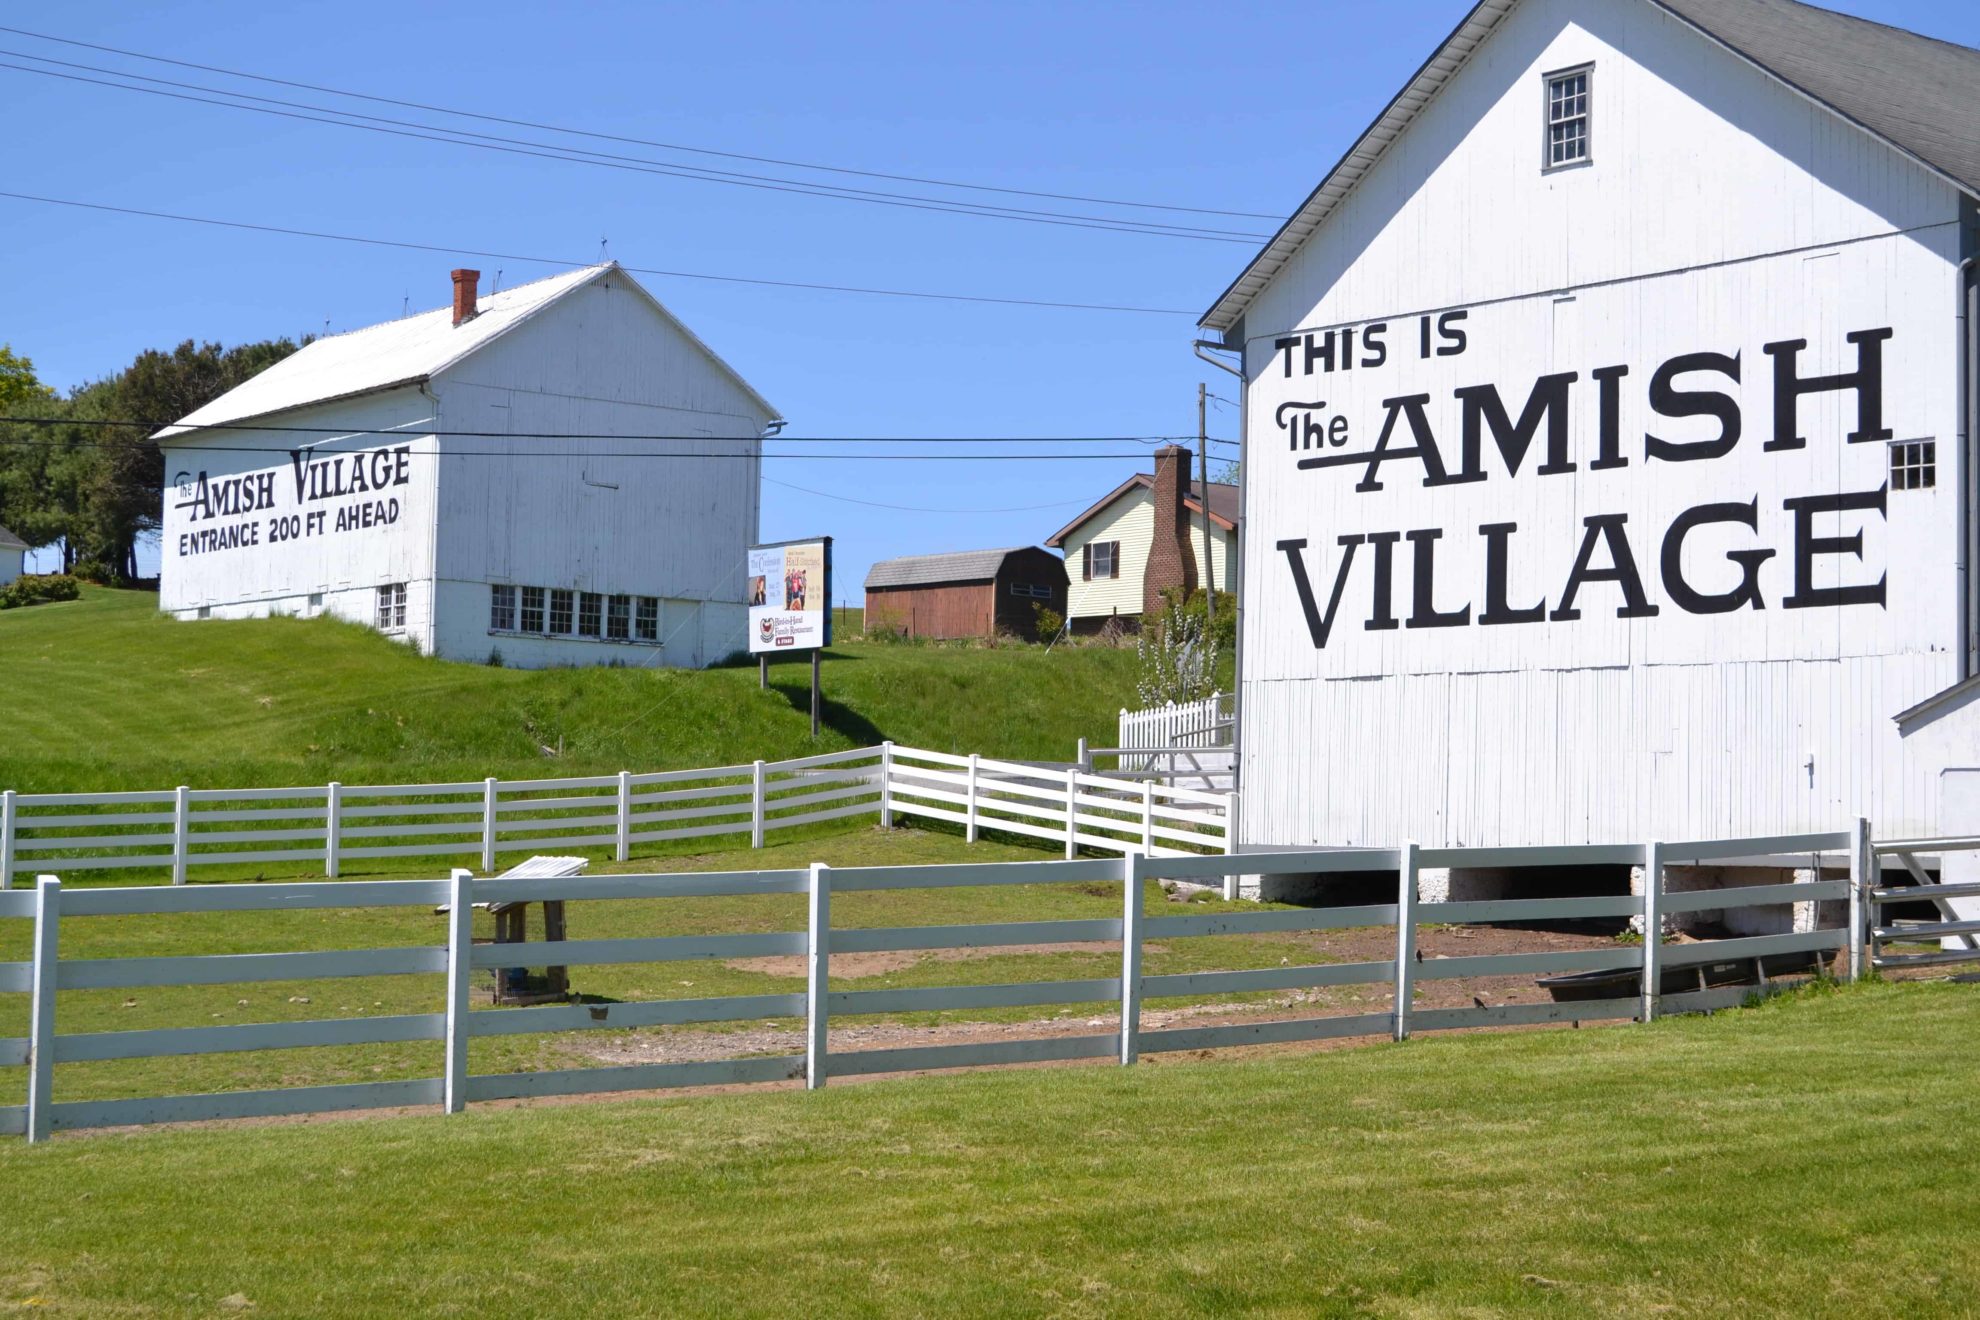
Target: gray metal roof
[
  {"x": 1920, "y": 95},
  {"x": 927, "y": 570},
  {"x": 8, "y": 541}
]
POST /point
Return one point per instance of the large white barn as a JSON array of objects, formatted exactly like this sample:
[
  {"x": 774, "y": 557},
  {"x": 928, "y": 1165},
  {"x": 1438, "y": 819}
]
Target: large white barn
[
  {"x": 1607, "y": 472},
  {"x": 561, "y": 472}
]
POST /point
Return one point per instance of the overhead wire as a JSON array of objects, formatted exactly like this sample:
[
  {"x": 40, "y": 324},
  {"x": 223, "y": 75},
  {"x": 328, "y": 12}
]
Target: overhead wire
[
  {"x": 550, "y": 151},
  {"x": 915, "y": 508},
  {"x": 635, "y": 141},
  {"x": 562, "y": 261}
]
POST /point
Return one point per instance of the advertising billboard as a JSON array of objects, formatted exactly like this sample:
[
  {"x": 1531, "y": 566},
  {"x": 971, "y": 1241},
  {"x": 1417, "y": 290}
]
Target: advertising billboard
[{"x": 790, "y": 596}]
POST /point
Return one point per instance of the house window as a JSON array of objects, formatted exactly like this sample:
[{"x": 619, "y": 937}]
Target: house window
[
  {"x": 618, "y": 618},
  {"x": 1101, "y": 559},
  {"x": 501, "y": 609},
  {"x": 560, "y": 613},
  {"x": 1914, "y": 464},
  {"x": 1567, "y": 117},
  {"x": 646, "y": 621},
  {"x": 392, "y": 606},
  {"x": 1031, "y": 591},
  {"x": 590, "y": 605},
  {"x": 532, "y": 609}
]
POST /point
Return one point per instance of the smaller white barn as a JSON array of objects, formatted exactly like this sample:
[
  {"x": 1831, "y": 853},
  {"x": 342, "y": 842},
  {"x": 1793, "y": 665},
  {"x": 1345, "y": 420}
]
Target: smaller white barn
[
  {"x": 561, "y": 473},
  {"x": 13, "y": 556}
]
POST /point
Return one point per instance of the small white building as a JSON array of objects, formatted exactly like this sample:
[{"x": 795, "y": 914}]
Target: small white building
[
  {"x": 1608, "y": 439},
  {"x": 1144, "y": 537},
  {"x": 560, "y": 472},
  {"x": 13, "y": 556}
]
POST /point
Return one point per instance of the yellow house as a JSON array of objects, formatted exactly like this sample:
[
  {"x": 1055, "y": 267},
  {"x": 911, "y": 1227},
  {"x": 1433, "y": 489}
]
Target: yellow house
[{"x": 1142, "y": 538}]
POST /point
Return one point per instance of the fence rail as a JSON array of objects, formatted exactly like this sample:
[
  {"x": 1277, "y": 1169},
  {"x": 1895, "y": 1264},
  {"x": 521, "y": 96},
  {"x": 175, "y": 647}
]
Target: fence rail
[
  {"x": 178, "y": 830},
  {"x": 456, "y": 1021}
]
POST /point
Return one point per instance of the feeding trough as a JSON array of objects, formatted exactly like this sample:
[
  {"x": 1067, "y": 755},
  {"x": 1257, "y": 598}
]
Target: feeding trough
[
  {"x": 522, "y": 985},
  {"x": 1627, "y": 982}
]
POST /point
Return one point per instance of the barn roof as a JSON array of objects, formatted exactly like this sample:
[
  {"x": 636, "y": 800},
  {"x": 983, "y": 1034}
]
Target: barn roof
[
  {"x": 8, "y": 541},
  {"x": 927, "y": 570},
  {"x": 1919, "y": 95},
  {"x": 408, "y": 351},
  {"x": 1223, "y": 505}
]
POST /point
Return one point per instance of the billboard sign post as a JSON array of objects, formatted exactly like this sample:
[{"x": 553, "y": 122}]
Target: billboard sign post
[{"x": 790, "y": 605}]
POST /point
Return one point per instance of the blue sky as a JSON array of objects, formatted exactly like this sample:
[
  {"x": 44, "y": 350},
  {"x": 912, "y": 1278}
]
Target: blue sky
[{"x": 1227, "y": 107}]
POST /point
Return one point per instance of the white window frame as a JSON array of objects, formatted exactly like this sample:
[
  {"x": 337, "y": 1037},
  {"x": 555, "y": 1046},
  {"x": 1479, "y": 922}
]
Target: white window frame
[
  {"x": 392, "y": 607},
  {"x": 501, "y": 607},
  {"x": 646, "y": 618},
  {"x": 591, "y": 615},
  {"x": 1915, "y": 464},
  {"x": 562, "y": 602},
  {"x": 618, "y": 618},
  {"x": 532, "y": 603},
  {"x": 1091, "y": 571},
  {"x": 1548, "y": 81}
]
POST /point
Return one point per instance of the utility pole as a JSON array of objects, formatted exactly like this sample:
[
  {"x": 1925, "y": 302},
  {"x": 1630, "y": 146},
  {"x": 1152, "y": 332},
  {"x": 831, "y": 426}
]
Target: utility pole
[{"x": 1203, "y": 493}]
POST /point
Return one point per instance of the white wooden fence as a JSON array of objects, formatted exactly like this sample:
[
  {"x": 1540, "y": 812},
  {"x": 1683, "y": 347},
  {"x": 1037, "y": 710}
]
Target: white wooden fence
[
  {"x": 179, "y": 829},
  {"x": 1205, "y": 723},
  {"x": 456, "y": 1022},
  {"x": 1188, "y": 745}
]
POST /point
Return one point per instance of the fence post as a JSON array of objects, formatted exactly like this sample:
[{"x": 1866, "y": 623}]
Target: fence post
[
  {"x": 1085, "y": 758},
  {"x": 1072, "y": 814},
  {"x": 1405, "y": 938},
  {"x": 1653, "y": 929},
  {"x": 1148, "y": 816},
  {"x": 333, "y": 826},
  {"x": 1862, "y": 875},
  {"x": 181, "y": 844},
  {"x": 41, "y": 1023},
  {"x": 7, "y": 839},
  {"x": 969, "y": 812},
  {"x": 1133, "y": 865},
  {"x": 886, "y": 785},
  {"x": 460, "y": 955},
  {"x": 491, "y": 798},
  {"x": 624, "y": 852},
  {"x": 818, "y": 963},
  {"x": 756, "y": 805},
  {"x": 1231, "y": 844}
]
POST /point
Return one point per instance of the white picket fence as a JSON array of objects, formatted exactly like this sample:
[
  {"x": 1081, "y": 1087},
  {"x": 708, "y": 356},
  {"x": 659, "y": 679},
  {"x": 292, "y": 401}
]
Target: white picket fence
[
  {"x": 1205, "y": 723},
  {"x": 180, "y": 829},
  {"x": 1188, "y": 745},
  {"x": 456, "y": 1021}
]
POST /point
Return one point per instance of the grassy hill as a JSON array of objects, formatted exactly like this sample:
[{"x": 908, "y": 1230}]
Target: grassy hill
[{"x": 104, "y": 693}]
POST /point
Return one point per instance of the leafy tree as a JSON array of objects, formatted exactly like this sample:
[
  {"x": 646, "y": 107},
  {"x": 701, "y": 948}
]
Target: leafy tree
[{"x": 18, "y": 383}]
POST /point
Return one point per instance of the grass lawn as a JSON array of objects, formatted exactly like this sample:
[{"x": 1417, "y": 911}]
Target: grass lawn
[
  {"x": 105, "y": 693},
  {"x": 1808, "y": 1157}
]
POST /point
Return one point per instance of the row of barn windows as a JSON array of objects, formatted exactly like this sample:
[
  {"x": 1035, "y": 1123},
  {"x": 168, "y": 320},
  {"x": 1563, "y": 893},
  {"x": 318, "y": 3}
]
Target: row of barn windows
[{"x": 559, "y": 612}]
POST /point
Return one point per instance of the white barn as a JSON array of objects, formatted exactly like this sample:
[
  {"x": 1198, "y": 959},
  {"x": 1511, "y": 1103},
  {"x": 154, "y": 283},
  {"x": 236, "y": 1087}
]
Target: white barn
[
  {"x": 560, "y": 472},
  {"x": 1607, "y": 468}
]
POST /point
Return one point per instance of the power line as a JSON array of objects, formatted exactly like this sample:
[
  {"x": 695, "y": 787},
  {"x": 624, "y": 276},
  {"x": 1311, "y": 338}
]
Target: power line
[
  {"x": 404, "y": 433},
  {"x": 913, "y": 508},
  {"x": 558, "y": 261},
  {"x": 634, "y": 453},
  {"x": 549, "y": 151},
  {"x": 635, "y": 141}
]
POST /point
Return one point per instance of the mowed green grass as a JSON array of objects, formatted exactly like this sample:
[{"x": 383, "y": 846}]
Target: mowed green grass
[
  {"x": 1809, "y": 1157},
  {"x": 105, "y": 693},
  {"x": 149, "y": 1008}
]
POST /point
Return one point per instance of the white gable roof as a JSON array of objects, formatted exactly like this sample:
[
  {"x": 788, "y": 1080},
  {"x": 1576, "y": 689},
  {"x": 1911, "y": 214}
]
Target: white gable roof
[{"x": 409, "y": 351}]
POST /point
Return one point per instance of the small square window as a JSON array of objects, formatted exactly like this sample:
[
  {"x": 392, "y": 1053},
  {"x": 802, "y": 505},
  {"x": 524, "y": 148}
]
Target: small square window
[
  {"x": 532, "y": 609},
  {"x": 501, "y": 609},
  {"x": 590, "y": 607},
  {"x": 1914, "y": 465},
  {"x": 1103, "y": 560},
  {"x": 1568, "y": 118},
  {"x": 560, "y": 612},
  {"x": 392, "y": 606},
  {"x": 646, "y": 619},
  {"x": 618, "y": 618}
]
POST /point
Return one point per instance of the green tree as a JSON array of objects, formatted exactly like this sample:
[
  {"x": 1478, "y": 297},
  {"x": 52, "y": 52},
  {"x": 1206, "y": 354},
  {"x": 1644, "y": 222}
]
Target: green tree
[{"x": 18, "y": 383}]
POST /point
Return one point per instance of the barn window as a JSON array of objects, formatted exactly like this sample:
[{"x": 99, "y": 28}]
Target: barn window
[
  {"x": 532, "y": 609},
  {"x": 1568, "y": 117},
  {"x": 1914, "y": 465},
  {"x": 501, "y": 609},
  {"x": 1031, "y": 591},
  {"x": 590, "y": 605},
  {"x": 1101, "y": 559},
  {"x": 618, "y": 618},
  {"x": 646, "y": 620},
  {"x": 560, "y": 612},
  {"x": 392, "y": 606}
]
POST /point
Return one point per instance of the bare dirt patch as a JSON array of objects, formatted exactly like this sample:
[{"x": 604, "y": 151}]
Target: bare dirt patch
[{"x": 855, "y": 966}]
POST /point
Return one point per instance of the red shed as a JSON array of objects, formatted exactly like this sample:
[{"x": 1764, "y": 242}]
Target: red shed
[{"x": 970, "y": 593}]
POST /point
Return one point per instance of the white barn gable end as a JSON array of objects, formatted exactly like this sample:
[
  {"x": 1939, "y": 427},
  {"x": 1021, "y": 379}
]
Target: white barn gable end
[
  {"x": 1617, "y": 497},
  {"x": 483, "y": 484}
]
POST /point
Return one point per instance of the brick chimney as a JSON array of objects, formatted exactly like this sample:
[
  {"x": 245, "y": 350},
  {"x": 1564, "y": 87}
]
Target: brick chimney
[
  {"x": 1171, "y": 559},
  {"x": 465, "y": 284}
]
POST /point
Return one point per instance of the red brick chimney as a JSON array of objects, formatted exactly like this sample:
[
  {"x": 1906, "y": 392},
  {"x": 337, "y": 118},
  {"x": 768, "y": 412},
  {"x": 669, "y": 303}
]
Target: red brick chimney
[
  {"x": 1171, "y": 560},
  {"x": 465, "y": 283}
]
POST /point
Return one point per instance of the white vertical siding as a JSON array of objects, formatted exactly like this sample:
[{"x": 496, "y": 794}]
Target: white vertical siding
[{"x": 1721, "y": 213}]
